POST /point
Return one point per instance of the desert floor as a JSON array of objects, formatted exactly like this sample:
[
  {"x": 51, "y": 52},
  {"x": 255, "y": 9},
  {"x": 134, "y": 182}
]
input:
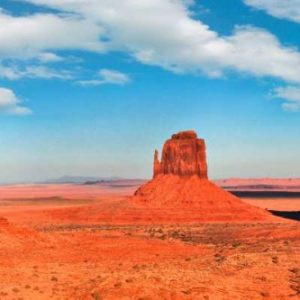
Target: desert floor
[{"x": 53, "y": 247}]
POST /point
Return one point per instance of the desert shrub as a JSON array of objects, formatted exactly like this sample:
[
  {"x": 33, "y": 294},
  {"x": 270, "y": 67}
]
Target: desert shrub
[
  {"x": 96, "y": 296},
  {"x": 275, "y": 260},
  {"x": 265, "y": 294},
  {"x": 235, "y": 244},
  {"x": 295, "y": 271}
]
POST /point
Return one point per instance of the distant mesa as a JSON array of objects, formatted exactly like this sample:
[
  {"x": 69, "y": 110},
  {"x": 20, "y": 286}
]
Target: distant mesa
[
  {"x": 79, "y": 179},
  {"x": 180, "y": 186}
]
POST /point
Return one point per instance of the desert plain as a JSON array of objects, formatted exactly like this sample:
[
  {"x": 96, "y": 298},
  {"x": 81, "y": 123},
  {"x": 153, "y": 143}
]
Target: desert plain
[{"x": 56, "y": 245}]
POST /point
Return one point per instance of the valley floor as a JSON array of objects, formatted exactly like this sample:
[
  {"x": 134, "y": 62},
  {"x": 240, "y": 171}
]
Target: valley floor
[{"x": 52, "y": 249}]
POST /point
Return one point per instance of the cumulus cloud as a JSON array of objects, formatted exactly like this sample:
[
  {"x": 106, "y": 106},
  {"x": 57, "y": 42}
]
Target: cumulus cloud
[
  {"x": 10, "y": 104},
  {"x": 107, "y": 76},
  {"x": 31, "y": 39},
  {"x": 30, "y": 35},
  {"x": 164, "y": 33},
  {"x": 283, "y": 9},
  {"x": 161, "y": 33},
  {"x": 258, "y": 52},
  {"x": 291, "y": 95}
]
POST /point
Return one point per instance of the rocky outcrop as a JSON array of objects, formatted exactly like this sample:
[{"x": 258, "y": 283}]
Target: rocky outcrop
[
  {"x": 181, "y": 192},
  {"x": 182, "y": 155}
]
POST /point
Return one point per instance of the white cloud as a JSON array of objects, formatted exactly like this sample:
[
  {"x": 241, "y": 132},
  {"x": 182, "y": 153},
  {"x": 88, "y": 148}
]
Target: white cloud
[
  {"x": 29, "y": 36},
  {"x": 156, "y": 32},
  {"x": 27, "y": 42},
  {"x": 107, "y": 76},
  {"x": 291, "y": 95},
  {"x": 283, "y": 9},
  {"x": 164, "y": 33},
  {"x": 44, "y": 72},
  {"x": 258, "y": 52},
  {"x": 14, "y": 72},
  {"x": 48, "y": 57},
  {"x": 10, "y": 104},
  {"x": 113, "y": 76}
]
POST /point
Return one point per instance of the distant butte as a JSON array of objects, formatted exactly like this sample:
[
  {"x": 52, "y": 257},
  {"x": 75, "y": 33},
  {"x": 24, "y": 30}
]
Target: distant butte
[{"x": 180, "y": 187}]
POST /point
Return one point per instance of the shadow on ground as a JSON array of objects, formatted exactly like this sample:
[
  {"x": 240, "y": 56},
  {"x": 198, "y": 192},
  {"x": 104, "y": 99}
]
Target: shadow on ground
[{"x": 293, "y": 215}]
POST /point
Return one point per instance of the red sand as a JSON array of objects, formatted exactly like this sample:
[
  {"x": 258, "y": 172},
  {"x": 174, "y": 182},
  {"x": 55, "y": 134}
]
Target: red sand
[
  {"x": 195, "y": 199},
  {"x": 73, "y": 191},
  {"x": 280, "y": 204},
  {"x": 60, "y": 248}
]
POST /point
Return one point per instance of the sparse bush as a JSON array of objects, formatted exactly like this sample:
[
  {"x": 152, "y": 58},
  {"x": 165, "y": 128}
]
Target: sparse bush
[
  {"x": 295, "y": 271},
  {"x": 96, "y": 296},
  {"x": 295, "y": 287},
  {"x": 118, "y": 285},
  {"x": 275, "y": 260},
  {"x": 160, "y": 230},
  {"x": 265, "y": 294},
  {"x": 163, "y": 237},
  {"x": 235, "y": 244},
  {"x": 175, "y": 234}
]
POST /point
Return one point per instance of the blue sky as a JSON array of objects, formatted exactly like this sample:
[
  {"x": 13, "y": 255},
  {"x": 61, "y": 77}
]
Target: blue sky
[{"x": 93, "y": 87}]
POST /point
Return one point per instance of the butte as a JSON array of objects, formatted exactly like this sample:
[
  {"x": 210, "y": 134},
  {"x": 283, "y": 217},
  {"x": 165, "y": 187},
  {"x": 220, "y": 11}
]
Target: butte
[{"x": 180, "y": 190}]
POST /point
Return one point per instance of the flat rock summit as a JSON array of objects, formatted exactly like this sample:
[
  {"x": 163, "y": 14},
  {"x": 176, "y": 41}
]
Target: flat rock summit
[{"x": 181, "y": 189}]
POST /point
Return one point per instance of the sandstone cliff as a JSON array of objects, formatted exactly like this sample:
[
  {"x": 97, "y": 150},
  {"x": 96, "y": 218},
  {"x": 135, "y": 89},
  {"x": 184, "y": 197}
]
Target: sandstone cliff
[{"x": 183, "y": 155}]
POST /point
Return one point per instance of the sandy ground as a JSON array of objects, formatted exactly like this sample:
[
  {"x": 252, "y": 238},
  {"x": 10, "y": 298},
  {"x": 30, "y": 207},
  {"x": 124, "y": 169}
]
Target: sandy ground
[
  {"x": 53, "y": 248},
  {"x": 281, "y": 204}
]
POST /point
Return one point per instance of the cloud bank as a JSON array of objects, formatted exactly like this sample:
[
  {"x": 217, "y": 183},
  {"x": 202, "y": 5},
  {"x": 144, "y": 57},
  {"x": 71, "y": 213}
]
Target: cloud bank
[
  {"x": 157, "y": 32},
  {"x": 161, "y": 33}
]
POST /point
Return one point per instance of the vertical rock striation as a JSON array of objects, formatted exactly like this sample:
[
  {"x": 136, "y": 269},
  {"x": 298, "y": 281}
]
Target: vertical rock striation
[{"x": 183, "y": 155}]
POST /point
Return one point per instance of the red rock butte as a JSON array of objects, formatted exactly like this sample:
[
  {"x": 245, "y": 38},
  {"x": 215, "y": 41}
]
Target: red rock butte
[
  {"x": 180, "y": 188},
  {"x": 183, "y": 155}
]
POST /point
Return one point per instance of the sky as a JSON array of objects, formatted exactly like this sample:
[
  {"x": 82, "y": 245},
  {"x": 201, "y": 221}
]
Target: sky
[{"x": 92, "y": 87}]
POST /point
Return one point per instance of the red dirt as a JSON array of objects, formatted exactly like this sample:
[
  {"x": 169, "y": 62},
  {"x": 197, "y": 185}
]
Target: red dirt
[
  {"x": 192, "y": 199},
  {"x": 72, "y": 191},
  {"x": 58, "y": 248}
]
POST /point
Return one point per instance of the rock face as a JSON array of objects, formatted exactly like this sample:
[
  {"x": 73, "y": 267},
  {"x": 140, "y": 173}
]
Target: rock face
[
  {"x": 181, "y": 192},
  {"x": 182, "y": 155}
]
